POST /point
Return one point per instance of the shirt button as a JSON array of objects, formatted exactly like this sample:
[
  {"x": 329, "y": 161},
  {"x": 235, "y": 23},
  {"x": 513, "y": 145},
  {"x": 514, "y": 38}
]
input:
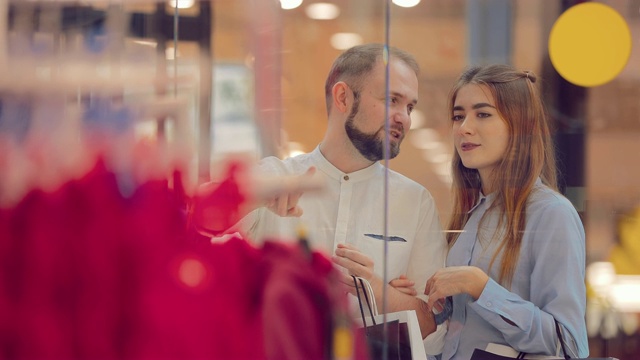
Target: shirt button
[
  {"x": 489, "y": 303},
  {"x": 346, "y": 177}
]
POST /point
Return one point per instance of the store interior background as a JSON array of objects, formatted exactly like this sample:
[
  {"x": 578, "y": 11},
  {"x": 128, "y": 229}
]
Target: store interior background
[
  {"x": 598, "y": 127},
  {"x": 268, "y": 64},
  {"x": 438, "y": 33}
]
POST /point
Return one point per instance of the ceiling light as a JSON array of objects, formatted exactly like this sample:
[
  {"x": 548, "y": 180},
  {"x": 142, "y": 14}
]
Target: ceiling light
[
  {"x": 322, "y": 11},
  {"x": 406, "y": 3},
  {"x": 182, "y": 4},
  {"x": 343, "y": 41},
  {"x": 290, "y": 4}
]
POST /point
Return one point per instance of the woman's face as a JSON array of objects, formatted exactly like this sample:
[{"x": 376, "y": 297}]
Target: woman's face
[{"x": 480, "y": 135}]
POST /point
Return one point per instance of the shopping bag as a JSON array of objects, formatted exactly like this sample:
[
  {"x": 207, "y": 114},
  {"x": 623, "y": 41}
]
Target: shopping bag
[
  {"x": 379, "y": 340},
  {"x": 503, "y": 352},
  {"x": 479, "y": 354},
  {"x": 494, "y": 353},
  {"x": 402, "y": 338},
  {"x": 408, "y": 322}
]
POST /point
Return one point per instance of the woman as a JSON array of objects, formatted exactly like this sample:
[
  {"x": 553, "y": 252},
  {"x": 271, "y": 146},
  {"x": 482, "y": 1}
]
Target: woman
[{"x": 517, "y": 247}]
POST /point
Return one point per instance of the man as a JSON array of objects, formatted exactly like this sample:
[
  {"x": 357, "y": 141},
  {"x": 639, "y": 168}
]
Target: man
[{"x": 348, "y": 217}]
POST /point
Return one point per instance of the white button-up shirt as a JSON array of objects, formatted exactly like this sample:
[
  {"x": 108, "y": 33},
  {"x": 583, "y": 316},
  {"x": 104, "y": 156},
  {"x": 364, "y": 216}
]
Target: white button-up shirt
[{"x": 351, "y": 211}]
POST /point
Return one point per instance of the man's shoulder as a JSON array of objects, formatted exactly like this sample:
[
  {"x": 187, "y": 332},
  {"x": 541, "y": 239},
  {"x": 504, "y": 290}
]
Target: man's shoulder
[
  {"x": 291, "y": 165},
  {"x": 399, "y": 179},
  {"x": 406, "y": 187}
]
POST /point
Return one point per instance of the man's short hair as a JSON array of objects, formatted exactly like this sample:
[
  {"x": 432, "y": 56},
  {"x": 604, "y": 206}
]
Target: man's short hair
[{"x": 353, "y": 66}]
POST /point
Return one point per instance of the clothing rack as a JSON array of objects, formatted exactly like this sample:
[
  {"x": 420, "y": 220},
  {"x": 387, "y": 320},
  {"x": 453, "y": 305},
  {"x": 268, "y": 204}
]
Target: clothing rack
[{"x": 104, "y": 66}]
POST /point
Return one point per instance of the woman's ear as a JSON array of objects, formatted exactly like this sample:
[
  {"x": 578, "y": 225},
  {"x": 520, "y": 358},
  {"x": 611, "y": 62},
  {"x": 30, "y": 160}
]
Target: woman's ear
[{"x": 341, "y": 95}]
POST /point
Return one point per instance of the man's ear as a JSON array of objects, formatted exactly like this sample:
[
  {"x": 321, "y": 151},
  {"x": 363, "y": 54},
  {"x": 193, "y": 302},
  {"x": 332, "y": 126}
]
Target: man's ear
[{"x": 341, "y": 96}]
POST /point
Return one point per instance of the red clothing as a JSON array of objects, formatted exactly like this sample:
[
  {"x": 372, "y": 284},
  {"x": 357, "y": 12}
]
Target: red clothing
[{"x": 86, "y": 272}]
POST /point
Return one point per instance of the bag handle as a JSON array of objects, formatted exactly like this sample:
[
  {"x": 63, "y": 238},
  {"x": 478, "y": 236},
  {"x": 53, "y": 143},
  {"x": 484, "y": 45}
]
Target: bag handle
[
  {"x": 522, "y": 355},
  {"x": 559, "y": 332},
  {"x": 370, "y": 304},
  {"x": 370, "y": 297},
  {"x": 364, "y": 291}
]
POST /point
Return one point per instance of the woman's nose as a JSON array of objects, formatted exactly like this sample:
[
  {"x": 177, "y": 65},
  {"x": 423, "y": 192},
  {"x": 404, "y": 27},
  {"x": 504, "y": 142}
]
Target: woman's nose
[{"x": 465, "y": 127}]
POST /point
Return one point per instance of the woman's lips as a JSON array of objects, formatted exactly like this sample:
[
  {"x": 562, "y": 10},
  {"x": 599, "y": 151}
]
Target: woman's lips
[{"x": 468, "y": 146}]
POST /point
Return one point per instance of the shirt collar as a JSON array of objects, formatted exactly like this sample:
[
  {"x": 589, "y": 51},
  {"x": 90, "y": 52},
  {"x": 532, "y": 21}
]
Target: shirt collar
[
  {"x": 489, "y": 198},
  {"x": 481, "y": 198},
  {"x": 323, "y": 164}
]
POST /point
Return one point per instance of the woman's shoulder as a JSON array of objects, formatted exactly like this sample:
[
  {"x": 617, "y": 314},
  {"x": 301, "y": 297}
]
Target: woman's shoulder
[{"x": 545, "y": 199}]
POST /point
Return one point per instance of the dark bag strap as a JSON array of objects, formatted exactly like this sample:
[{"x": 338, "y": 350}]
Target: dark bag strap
[
  {"x": 521, "y": 355},
  {"x": 559, "y": 332},
  {"x": 364, "y": 291},
  {"x": 564, "y": 351}
]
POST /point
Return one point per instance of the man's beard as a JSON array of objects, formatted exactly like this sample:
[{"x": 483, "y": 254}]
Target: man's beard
[{"x": 369, "y": 145}]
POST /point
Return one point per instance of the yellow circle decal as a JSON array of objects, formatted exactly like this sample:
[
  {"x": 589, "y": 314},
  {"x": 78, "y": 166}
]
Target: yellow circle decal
[{"x": 590, "y": 44}]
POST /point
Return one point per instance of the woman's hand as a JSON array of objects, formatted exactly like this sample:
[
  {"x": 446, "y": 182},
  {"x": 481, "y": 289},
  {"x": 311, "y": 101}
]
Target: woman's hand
[{"x": 455, "y": 280}]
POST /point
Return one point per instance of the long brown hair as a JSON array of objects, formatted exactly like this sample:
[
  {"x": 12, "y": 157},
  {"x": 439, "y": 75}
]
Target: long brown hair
[{"x": 529, "y": 155}]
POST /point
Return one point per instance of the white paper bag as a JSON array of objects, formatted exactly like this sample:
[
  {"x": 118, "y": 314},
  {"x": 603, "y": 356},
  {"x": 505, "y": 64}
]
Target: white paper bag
[{"x": 505, "y": 350}]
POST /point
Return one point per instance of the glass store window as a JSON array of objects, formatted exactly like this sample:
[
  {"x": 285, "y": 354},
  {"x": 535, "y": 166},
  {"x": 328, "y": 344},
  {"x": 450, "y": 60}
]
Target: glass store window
[{"x": 247, "y": 77}]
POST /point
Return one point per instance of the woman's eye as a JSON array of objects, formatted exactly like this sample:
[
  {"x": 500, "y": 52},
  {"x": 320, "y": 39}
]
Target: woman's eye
[
  {"x": 483, "y": 115},
  {"x": 457, "y": 117}
]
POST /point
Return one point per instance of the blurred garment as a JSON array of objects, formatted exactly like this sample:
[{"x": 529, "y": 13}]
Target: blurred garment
[{"x": 86, "y": 272}]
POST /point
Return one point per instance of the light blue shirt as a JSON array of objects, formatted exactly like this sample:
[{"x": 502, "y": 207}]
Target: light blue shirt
[{"x": 548, "y": 282}]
